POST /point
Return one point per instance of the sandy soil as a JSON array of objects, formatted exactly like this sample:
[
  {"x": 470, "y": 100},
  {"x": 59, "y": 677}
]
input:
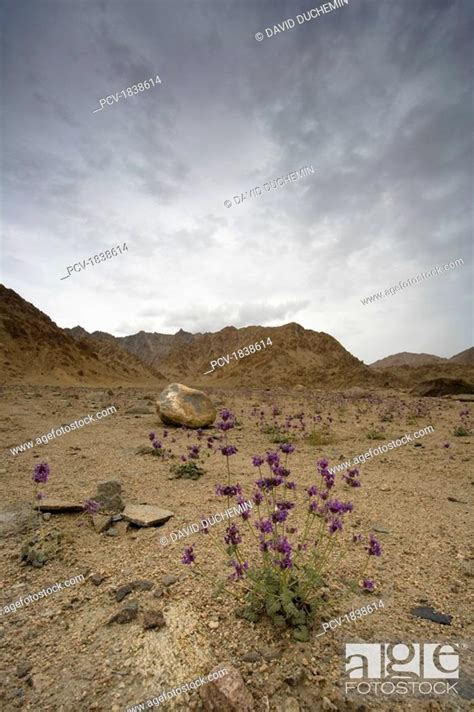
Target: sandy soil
[{"x": 78, "y": 662}]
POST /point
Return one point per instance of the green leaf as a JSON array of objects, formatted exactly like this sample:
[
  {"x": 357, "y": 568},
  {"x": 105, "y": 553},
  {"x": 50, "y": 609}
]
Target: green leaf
[{"x": 301, "y": 634}]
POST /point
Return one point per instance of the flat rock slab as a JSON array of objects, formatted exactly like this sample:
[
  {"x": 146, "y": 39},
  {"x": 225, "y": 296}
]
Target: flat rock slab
[
  {"x": 429, "y": 614},
  {"x": 58, "y": 506},
  {"x": 146, "y": 515}
]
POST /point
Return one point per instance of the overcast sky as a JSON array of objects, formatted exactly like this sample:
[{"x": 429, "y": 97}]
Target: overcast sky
[{"x": 375, "y": 95}]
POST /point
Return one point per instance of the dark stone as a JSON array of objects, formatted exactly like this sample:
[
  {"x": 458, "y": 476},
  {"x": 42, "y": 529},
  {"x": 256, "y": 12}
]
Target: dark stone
[
  {"x": 97, "y": 579},
  {"x": 453, "y": 499},
  {"x": 251, "y": 657},
  {"x": 429, "y": 614},
  {"x": 126, "y": 615},
  {"x": 23, "y": 669},
  {"x": 153, "y": 619},
  {"x": 169, "y": 579},
  {"x": 143, "y": 585},
  {"x": 123, "y": 591},
  {"x": 158, "y": 593},
  {"x": 109, "y": 496}
]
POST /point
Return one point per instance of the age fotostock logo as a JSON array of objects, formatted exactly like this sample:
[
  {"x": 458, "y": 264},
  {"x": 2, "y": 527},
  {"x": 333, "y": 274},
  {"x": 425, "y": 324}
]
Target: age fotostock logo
[{"x": 402, "y": 668}]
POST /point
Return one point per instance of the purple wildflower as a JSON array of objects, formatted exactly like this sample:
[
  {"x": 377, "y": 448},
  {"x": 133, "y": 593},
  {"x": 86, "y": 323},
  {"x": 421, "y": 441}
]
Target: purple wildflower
[
  {"x": 374, "y": 548},
  {"x": 41, "y": 473},
  {"x": 312, "y": 491},
  {"x": 188, "y": 555},
  {"x": 334, "y": 525},
  {"x": 246, "y": 513},
  {"x": 193, "y": 451},
  {"x": 280, "y": 516},
  {"x": 287, "y": 448},
  {"x": 229, "y": 450},
  {"x": 290, "y": 485},
  {"x": 232, "y": 536},
  {"x": 151, "y": 436},
  {"x": 368, "y": 584},
  {"x": 257, "y": 461},
  {"x": 228, "y": 490},
  {"x": 272, "y": 458},
  {"x": 239, "y": 570},
  {"x": 357, "y": 538},
  {"x": 265, "y": 526},
  {"x": 265, "y": 545},
  {"x": 91, "y": 506},
  {"x": 285, "y": 505},
  {"x": 258, "y": 498},
  {"x": 157, "y": 445}
]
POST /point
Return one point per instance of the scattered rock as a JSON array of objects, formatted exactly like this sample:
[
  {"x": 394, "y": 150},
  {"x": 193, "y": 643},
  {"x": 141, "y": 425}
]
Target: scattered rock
[
  {"x": 153, "y": 619},
  {"x": 125, "y": 615},
  {"x": 47, "y": 516},
  {"x": 123, "y": 591},
  {"x": 18, "y": 519},
  {"x": 180, "y": 405},
  {"x": 380, "y": 529},
  {"x": 295, "y": 677},
  {"x": 429, "y": 614},
  {"x": 251, "y": 657},
  {"x": 287, "y": 704},
  {"x": 270, "y": 653},
  {"x": 38, "y": 549},
  {"x": 140, "y": 585},
  {"x": 146, "y": 515},
  {"x": 453, "y": 499},
  {"x": 328, "y": 706},
  {"x": 23, "y": 669},
  {"x": 109, "y": 496},
  {"x": 121, "y": 528},
  {"x": 101, "y": 522},
  {"x": 97, "y": 579},
  {"x": 58, "y": 506},
  {"x": 213, "y": 625},
  {"x": 227, "y": 693},
  {"x": 111, "y": 532},
  {"x": 169, "y": 579},
  {"x": 158, "y": 593},
  {"x": 117, "y": 517}
]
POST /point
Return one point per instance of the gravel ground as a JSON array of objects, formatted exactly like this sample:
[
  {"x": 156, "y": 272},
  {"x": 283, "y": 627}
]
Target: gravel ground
[{"x": 60, "y": 653}]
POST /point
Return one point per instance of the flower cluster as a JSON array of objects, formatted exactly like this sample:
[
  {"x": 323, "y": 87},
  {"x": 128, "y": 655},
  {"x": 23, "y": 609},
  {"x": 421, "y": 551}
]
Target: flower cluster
[{"x": 292, "y": 560}]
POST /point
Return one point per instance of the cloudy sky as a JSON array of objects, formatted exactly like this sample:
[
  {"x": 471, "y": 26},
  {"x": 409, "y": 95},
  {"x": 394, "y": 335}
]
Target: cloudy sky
[{"x": 375, "y": 95}]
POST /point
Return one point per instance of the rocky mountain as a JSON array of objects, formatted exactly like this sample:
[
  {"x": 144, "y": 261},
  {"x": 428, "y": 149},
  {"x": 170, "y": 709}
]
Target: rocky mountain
[
  {"x": 33, "y": 349},
  {"x": 149, "y": 347},
  {"x": 405, "y": 358},
  {"x": 296, "y": 356}
]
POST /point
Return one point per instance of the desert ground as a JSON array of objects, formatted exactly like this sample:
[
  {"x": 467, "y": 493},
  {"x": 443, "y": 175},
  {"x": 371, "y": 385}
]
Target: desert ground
[{"x": 61, "y": 653}]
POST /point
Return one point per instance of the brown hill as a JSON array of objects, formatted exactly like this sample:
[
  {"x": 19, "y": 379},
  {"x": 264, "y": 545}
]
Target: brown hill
[
  {"x": 466, "y": 356},
  {"x": 405, "y": 358},
  {"x": 297, "y": 356},
  {"x": 33, "y": 349}
]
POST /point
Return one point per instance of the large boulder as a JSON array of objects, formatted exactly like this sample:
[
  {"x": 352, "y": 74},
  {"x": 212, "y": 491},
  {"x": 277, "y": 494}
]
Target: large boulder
[{"x": 180, "y": 405}]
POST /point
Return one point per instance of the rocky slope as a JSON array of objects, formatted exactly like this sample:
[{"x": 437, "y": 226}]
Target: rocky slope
[{"x": 33, "y": 349}]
